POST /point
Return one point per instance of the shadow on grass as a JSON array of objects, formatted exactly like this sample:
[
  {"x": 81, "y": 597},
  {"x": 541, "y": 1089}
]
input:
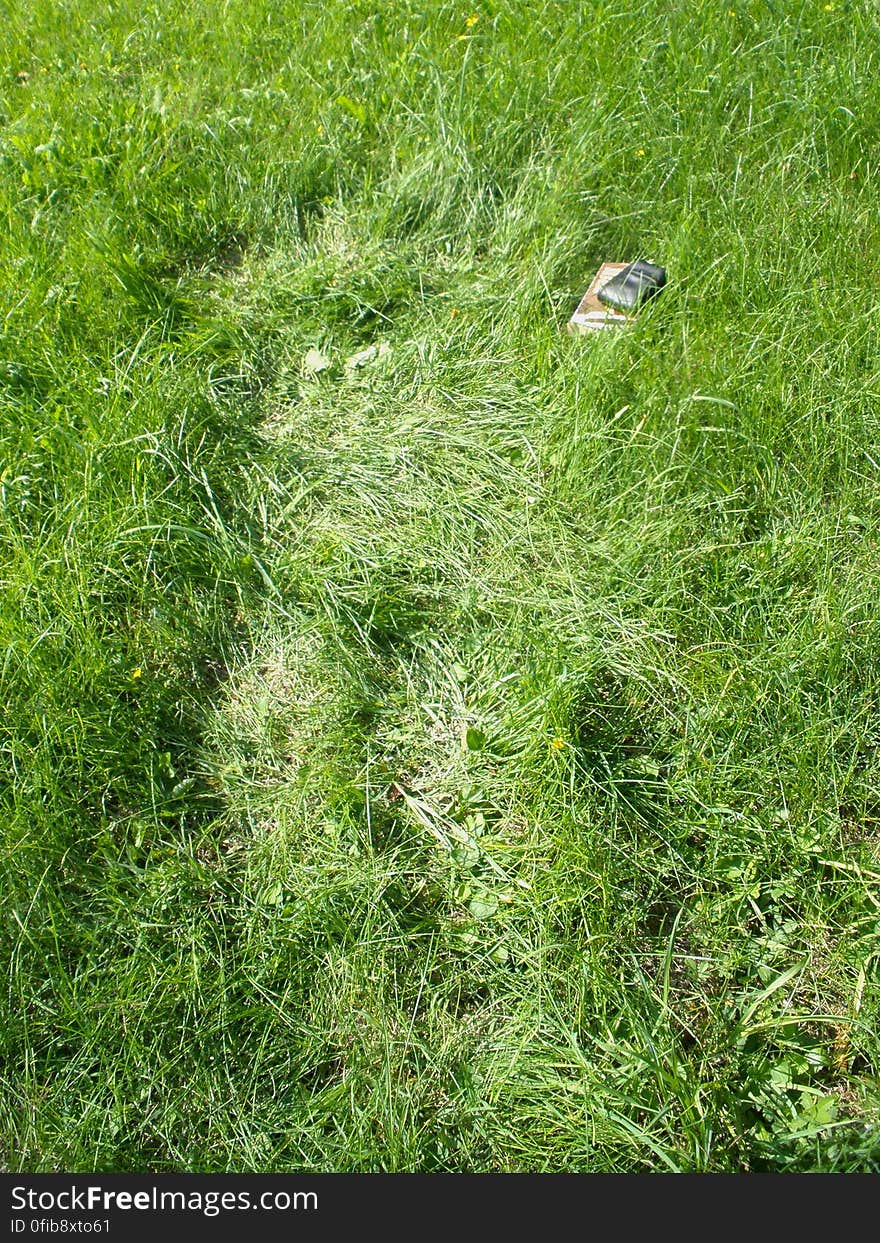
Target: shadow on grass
[{"x": 620, "y": 747}]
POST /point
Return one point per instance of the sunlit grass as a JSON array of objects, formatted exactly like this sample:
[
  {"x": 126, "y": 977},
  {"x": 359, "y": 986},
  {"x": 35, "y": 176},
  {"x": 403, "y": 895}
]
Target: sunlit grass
[{"x": 461, "y": 756}]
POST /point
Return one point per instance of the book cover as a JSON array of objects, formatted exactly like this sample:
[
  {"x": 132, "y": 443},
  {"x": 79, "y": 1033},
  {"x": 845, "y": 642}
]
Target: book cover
[{"x": 591, "y": 315}]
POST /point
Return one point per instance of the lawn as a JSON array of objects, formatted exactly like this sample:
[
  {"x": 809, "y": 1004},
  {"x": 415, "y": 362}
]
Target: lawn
[{"x": 430, "y": 741}]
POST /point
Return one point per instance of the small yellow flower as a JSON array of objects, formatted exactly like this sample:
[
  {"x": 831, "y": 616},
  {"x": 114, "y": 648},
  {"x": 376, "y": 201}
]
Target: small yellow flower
[
  {"x": 640, "y": 152},
  {"x": 472, "y": 20},
  {"x": 828, "y": 8},
  {"x": 558, "y": 744},
  {"x": 137, "y": 673}
]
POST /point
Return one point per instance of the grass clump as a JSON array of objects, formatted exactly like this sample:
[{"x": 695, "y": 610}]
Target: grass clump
[{"x": 461, "y": 755}]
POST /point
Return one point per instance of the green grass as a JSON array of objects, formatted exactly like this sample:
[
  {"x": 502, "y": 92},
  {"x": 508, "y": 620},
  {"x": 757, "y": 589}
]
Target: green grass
[{"x": 467, "y": 760}]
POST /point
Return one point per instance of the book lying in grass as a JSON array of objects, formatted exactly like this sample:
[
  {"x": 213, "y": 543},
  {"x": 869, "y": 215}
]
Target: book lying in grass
[{"x": 592, "y": 315}]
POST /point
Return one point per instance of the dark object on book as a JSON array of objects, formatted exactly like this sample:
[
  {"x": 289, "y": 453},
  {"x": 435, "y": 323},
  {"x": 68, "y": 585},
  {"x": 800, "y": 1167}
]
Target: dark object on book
[{"x": 630, "y": 288}]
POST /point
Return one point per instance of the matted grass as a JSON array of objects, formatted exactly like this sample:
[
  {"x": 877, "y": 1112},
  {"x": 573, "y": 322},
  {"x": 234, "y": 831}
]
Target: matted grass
[{"x": 466, "y": 760}]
